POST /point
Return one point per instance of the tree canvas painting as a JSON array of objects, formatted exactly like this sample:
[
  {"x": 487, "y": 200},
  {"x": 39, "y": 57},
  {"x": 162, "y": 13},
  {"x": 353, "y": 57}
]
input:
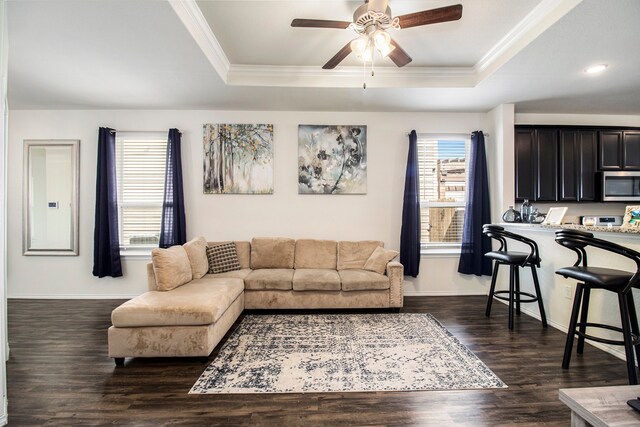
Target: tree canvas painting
[
  {"x": 238, "y": 159},
  {"x": 332, "y": 159}
]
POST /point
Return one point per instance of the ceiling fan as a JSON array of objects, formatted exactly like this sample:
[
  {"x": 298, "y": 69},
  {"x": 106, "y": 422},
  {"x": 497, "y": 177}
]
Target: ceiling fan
[{"x": 370, "y": 22}]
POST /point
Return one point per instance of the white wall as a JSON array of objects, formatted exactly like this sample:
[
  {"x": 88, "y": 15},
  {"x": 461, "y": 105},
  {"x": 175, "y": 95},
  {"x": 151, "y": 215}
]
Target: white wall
[
  {"x": 376, "y": 215},
  {"x": 4, "y": 343},
  {"x": 500, "y": 159}
]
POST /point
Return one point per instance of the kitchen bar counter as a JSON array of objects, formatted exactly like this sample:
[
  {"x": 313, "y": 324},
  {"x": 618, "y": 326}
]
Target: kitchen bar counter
[{"x": 558, "y": 292}]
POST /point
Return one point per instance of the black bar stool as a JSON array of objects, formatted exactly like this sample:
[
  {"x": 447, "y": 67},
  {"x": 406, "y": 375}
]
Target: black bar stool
[
  {"x": 514, "y": 260},
  {"x": 590, "y": 277}
]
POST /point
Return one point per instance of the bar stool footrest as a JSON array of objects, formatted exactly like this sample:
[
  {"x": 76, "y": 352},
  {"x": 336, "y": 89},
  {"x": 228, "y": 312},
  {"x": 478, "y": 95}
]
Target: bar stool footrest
[
  {"x": 635, "y": 340},
  {"x": 532, "y": 298}
]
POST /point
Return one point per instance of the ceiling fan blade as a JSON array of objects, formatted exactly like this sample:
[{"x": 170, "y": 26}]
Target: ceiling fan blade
[
  {"x": 338, "y": 57},
  {"x": 432, "y": 16},
  {"x": 377, "y": 5},
  {"x": 319, "y": 23},
  {"x": 398, "y": 55}
]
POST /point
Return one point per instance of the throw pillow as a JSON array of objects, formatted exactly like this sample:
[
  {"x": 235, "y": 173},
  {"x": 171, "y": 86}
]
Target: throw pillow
[
  {"x": 379, "y": 258},
  {"x": 223, "y": 258},
  {"x": 272, "y": 252},
  {"x": 197, "y": 252},
  {"x": 353, "y": 254},
  {"x": 171, "y": 267}
]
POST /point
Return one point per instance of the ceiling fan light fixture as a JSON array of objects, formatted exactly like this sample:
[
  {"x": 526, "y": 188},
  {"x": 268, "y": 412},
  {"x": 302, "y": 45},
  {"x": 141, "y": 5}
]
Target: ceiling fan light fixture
[
  {"x": 359, "y": 45},
  {"x": 371, "y": 21},
  {"x": 386, "y": 50},
  {"x": 382, "y": 40},
  {"x": 367, "y": 54}
]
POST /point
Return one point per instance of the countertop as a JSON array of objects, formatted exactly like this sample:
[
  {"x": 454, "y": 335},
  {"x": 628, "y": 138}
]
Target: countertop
[{"x": 598, "y": 229}]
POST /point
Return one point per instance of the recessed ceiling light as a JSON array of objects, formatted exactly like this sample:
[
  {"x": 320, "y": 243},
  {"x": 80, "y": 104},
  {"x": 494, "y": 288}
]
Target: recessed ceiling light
[{"x": 596, "y": 69}]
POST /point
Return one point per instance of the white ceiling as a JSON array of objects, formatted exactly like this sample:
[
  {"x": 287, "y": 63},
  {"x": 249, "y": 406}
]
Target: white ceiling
[{"x": 244, "y": 55}]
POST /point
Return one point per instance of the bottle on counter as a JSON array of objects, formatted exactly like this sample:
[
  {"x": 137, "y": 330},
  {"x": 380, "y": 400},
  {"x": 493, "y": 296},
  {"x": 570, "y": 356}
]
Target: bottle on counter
[
  {"x": 511, "y": 215},
  {"x": 525, "y": 210}
]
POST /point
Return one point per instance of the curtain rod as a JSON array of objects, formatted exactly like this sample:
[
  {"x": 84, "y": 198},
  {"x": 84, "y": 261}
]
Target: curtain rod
[
  {"x": 141, "y": 131},
  {"x": 486, "y": 135},
  {"x": 144, "y": 131}
]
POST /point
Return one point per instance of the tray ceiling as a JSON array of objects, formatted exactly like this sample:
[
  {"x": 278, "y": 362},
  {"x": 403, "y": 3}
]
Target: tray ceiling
[{"x": 241, "y": 54}]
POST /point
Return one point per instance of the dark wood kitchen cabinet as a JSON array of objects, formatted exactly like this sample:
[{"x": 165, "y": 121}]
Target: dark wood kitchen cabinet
[
  {"x": 631, "y": 150},
  {"x": 560, "y": 163},
  {"x": 524, "y": 164},
  {"x": 619, "y": 150},
  {"x": 577, "y": 165},
  {"x": 536, "y": 159}
]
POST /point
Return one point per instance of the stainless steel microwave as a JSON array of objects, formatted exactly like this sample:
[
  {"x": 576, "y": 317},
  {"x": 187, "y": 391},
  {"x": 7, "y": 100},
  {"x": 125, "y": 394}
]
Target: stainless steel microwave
[{"x": 620, "y": 186}]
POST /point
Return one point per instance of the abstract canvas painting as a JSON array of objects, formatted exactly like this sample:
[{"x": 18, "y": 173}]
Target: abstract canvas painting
[
  {"x": 332, "y": 159},
  {"x": 238, "y": 159}
]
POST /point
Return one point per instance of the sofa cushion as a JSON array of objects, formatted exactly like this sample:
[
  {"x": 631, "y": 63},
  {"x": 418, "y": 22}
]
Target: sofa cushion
[
  {"x": 379, "y": 259},
  {"x": 272, "y": 252},
  {"x": 316, "y": 279},
  {"x": 362, "y": 280},
  {"x": 223, "y": 258},
  {"x": 243, "y": 249},
  {"x": 200, "y": 302},
  {"x": 355, "y": 254},
  {"x": 312, "y": 253},
  {"x": 269, "y": 278},
  {"x": 197, "y": 252},
  {"x": 171, "y": 267}
]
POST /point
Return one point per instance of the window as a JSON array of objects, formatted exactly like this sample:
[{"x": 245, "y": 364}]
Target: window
[
  {"x": 442, "y": 168},
  {"x": 140, "y": 169}
]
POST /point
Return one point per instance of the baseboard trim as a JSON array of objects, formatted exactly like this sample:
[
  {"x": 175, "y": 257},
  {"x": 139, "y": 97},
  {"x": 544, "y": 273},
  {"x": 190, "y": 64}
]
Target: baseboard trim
[
  {"x": 443, "y": 293},
  {"x": 3, "y": 418},
  {"x": 615, "y": 351},
  {"x": 72, "y": 296},
  {"x": 129, "y": 296}
]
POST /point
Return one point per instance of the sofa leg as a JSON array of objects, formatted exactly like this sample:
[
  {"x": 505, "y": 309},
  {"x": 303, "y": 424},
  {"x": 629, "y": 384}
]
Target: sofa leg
[
  {"x": 204, "y": 360},
  {"x": 119, "y": 361}
]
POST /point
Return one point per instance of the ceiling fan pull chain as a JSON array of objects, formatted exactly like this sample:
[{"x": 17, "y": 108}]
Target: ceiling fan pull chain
[
  {"x": 364, "y": 74},
  {"x": 372, "y": 57}
]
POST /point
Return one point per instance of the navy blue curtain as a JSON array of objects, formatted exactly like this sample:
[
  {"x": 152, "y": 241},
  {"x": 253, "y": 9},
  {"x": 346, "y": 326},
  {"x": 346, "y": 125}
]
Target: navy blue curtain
[
  {"x": 173, "y": 229},
  {"x": 477, "y": 213},
  {"x": 106, "y": 242},
  {"x": 410, "y": 232}
]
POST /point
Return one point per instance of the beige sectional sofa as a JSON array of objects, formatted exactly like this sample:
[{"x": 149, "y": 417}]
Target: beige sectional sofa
[{"x": 188, "y": 309}]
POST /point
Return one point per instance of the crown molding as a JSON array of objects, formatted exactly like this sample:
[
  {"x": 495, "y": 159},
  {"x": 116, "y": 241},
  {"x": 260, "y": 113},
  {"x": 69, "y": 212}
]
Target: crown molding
[
  {"x": 545, "y": 14},
  {"x": 349, "y": 77},
  {"x": 192, "y": 18}
]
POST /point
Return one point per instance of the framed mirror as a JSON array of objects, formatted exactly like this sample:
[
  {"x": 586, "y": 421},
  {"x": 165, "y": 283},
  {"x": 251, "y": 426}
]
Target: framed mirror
[{"x": 50, "y": 197}]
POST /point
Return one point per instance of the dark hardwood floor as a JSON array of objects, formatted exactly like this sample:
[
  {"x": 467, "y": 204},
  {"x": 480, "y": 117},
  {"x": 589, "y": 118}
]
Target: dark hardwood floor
[{"x": 59, "y": 374}]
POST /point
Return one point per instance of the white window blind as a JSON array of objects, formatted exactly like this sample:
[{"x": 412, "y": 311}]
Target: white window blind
[
  {"x": 140, "y": 167},
  {"x": 442, "y": 168}
]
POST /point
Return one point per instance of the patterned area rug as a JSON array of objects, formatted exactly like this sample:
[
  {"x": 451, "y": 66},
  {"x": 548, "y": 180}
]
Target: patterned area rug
[{"x": 319, "y": 353}]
